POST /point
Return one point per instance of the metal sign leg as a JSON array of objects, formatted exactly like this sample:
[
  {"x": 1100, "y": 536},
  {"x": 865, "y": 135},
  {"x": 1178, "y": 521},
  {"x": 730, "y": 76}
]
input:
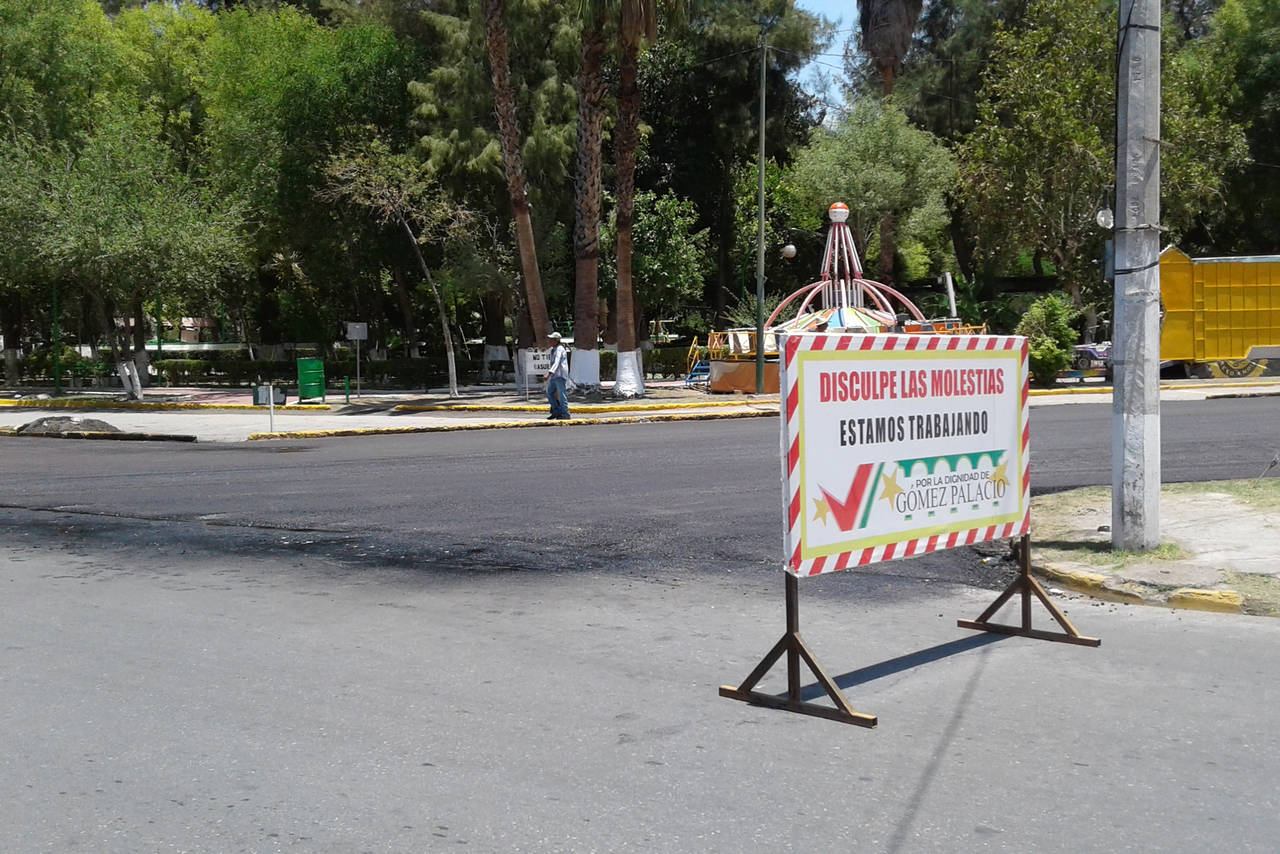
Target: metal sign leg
[
  {"x": 1028, "y": 587},
  {"x": 796, "y": 649}
]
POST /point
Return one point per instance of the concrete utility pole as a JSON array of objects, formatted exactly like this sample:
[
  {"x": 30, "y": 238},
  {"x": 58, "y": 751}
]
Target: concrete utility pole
[
  {"x": 764, "y": 64},
  {"x": 1135, "y": 407}
]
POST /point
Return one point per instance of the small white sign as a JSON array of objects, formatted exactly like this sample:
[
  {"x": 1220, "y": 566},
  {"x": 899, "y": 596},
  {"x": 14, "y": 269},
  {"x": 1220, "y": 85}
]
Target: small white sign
[
  {"x": 357, "y": 331},
  {"x": 537, "y": 364}
]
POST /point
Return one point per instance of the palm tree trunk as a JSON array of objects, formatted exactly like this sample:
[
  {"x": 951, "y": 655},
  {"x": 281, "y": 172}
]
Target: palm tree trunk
[
  {"x": 585, "y": 369},
  {"x": 630, "y": 377},
  {"x": 504, "y": 99}
]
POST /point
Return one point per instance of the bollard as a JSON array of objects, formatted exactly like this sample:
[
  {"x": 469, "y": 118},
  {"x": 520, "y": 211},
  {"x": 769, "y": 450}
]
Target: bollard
[{"x": 346, "y": 382}]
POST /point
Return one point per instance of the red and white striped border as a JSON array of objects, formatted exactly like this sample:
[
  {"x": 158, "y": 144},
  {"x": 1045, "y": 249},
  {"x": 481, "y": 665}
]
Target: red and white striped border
[{"x": 790, "y": 346}]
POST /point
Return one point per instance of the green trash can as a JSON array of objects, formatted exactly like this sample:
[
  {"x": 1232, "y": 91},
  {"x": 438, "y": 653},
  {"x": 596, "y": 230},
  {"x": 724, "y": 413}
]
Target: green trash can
[{"x": 310, "y": 379}]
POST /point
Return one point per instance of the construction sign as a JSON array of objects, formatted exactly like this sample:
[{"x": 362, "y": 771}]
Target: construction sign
[{"x": 898, "y": 445}]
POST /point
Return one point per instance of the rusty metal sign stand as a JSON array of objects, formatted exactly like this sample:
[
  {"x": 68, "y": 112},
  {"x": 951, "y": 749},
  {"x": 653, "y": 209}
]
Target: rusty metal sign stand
[
  {"x": 1028, "y": 586},
  {"x": 794, "y": 646}
]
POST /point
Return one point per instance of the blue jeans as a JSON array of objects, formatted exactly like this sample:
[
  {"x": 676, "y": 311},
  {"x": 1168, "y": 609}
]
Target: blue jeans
[{"x": 557, "y": 397}]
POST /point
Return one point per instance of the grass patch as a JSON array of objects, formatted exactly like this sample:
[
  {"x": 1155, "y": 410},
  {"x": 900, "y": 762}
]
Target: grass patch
[
  {"x": 1261, "y": 593},
  {"x": 1101, "y": 555},
  {"x": 1123, "y": 557},
  {"x": 1262, "y": 493}
]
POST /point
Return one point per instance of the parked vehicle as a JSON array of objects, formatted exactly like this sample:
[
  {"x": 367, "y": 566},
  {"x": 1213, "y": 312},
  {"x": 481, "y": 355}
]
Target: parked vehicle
[{"x": 1221, "y": 316}]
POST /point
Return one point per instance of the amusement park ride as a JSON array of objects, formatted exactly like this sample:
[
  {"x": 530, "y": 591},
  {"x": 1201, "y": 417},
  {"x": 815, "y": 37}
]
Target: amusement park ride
[{"x": 841, "y": 300}]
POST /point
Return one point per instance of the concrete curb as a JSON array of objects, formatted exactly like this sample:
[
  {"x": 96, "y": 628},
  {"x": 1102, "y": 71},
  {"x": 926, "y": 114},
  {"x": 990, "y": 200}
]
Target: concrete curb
[
  {"x": 94, "y": 434},
  {"x": 1114, "y": 589},
  {"x": 501, "y": 425}
]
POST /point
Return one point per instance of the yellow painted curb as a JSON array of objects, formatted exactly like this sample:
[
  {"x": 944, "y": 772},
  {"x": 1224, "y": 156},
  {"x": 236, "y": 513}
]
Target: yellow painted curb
[
  {"x": 1107, "y": 389},
  {"x": 1049, "y": 392},
  {"x": 1082, "y": 582},
  {"x": 498, "y": 425},
  {"x": 611, "y": 407},
  {"x": 144, "y": 405},
  {"x": 1224, "y": 601}
]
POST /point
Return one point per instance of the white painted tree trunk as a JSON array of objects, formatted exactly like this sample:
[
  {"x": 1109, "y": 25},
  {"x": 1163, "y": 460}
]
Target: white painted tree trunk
[
  {"x": 495, "y": 353},
  {"x": 128, "y": 374},
  {"x": 630, "y": 381},
  {"x": 584, "y": 371},
  {"x": 141, "y": 363},
  {"x": 524, "y": 382}
]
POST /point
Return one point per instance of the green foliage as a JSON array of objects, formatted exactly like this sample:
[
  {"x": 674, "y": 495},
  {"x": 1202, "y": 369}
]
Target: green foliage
[
  {"x": 120, "y": 218},
  {"x": 670, "y": 256},
  {"x": 878, "y": 164},
  {"x": 1238, "y": 66},
  {"x": 178, "y": 372},
  {"x": 1051, "y": 338},
  {"x": 742, "y": 313},
  {"x": 1041, "y": 160}
]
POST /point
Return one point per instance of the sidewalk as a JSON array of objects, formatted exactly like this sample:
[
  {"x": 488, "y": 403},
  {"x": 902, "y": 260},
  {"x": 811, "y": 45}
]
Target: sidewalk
[
  {"x": 1221, "y": 549},
  {"x": 228, "y": 415}
]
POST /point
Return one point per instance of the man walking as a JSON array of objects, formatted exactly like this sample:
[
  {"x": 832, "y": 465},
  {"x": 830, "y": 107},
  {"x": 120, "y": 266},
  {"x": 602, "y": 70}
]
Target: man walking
[{"x": 558, "y": 379}]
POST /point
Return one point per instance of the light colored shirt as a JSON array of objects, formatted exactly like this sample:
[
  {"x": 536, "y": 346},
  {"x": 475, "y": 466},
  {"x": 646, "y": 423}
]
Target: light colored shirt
[{"x": 559, "y": 363}]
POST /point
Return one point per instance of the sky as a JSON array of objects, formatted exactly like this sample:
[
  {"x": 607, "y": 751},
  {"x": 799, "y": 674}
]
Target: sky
[{"x": 844, "y": 13}]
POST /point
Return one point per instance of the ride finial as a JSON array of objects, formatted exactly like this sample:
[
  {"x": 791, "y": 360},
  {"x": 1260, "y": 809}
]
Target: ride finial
[{"x": 838, "y": 212}]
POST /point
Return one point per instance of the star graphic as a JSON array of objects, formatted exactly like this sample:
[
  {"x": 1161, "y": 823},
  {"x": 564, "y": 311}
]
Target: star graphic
[
  {"x": 999, "y": 475},
  {"x": 891, "y": 488},
  {"x": 820, "y": 510}
]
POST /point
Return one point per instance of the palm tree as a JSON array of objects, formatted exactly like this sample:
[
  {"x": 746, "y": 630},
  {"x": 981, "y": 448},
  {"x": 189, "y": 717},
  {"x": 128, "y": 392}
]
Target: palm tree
[
  {"x": 885, "y": 28},
  {"x": 497, "y": 43},
  {"x": 586, "y": 198},
  {"x": 637, "y": 22}
]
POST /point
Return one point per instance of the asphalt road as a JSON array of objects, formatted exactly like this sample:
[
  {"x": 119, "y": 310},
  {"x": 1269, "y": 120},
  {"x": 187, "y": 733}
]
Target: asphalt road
[
  {"x": 701, "y": 494},
  {"x": 511, "y": 641},
  {"x": 229, "y": 696}
]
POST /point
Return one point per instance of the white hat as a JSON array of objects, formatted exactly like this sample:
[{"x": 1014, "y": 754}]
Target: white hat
[{"x": 555, "y": 335}]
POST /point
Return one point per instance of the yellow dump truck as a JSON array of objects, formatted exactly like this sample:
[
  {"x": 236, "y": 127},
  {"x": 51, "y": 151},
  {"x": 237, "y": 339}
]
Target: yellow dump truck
[{"x": 1221, "y": 315}]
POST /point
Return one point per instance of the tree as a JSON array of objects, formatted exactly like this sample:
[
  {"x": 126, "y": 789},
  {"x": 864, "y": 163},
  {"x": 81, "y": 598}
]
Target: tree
[
  {"x": 122, "y": 222},
  {"x": 702, "y": 90},
  {"x": 1041, "y": 161},
  {"x": 884, "y": 29},
  {"x": 671, "y": 257},
  {"x": 396, "y": 191},
  {"x": 637, "y": 22},
  {"x": 880, "y": 165},
  {"x": 587, "y": 197},
  {"x": 884, "y": 34},
  {"x": 1240, "y": 51},
  {"x": 504, "y": 101},
  {"x": 22, "y": 162},
  {"x": 280, "y": 93}
]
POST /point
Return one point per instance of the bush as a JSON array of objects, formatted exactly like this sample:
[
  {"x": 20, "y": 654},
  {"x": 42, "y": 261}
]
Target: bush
[
  {"x": 183, "y": 371},
  {"x": 659, "y": 363},
  {"x": 38, "y": 366},
  {"x": 1050, "y": 338}
]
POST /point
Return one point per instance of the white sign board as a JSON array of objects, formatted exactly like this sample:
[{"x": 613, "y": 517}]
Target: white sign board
[
  {"x": 357, "y": 331},
  {"x": 897, "y": 445},
  {"x": 537, "y": 364}
]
